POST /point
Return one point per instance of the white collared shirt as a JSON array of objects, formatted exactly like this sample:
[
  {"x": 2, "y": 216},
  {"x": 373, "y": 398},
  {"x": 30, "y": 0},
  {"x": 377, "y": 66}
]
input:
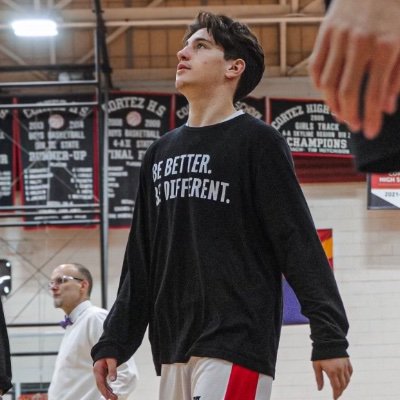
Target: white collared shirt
[{"x": 73, "y": 377}]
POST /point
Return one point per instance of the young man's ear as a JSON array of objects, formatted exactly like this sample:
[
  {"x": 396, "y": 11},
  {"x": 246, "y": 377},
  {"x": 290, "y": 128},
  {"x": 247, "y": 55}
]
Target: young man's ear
[{"x": 235, "y": 68}]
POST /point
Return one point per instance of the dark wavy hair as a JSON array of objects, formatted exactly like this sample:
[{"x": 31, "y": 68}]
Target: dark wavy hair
[{"x": 238, "y": 42}]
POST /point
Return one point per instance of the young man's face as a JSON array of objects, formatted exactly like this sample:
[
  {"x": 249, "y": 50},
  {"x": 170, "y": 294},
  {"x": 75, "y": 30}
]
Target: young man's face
[{"x": 201, "y": 64}]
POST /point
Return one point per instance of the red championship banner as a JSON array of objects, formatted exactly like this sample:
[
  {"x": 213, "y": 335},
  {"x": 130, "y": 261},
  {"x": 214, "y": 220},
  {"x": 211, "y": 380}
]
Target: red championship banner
[
  {"x": 384, "y": 191},
  {"x": 135, "y": 121},
  {"x": 309, "y": 127},
  {"x": 57, "y": 152},
  {"x": 291, "y": 307}
]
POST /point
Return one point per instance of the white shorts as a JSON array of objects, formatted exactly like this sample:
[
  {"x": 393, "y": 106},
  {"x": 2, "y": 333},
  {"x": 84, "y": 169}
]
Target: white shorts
[{"x": 212, "y": 379}]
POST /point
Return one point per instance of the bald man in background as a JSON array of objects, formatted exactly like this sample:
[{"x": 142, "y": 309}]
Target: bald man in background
[{"x": 73, "y": 379}]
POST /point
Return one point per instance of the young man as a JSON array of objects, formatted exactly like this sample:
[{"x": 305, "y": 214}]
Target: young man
[
  {"x": 219, "y": 217},
  {"x": 71, "y": 285}
]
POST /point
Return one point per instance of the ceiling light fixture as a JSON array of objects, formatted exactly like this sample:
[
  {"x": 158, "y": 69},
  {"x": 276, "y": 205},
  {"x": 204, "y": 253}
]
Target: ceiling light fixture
[{"x": 35, "y": 27}]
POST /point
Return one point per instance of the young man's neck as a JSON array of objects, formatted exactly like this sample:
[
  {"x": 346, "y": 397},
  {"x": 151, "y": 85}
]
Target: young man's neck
[{"x": 206, "y": 112}]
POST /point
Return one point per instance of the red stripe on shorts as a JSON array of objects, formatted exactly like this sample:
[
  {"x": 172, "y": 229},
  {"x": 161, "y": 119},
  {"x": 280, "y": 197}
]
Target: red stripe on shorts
[{"x": 242, "y": 384}]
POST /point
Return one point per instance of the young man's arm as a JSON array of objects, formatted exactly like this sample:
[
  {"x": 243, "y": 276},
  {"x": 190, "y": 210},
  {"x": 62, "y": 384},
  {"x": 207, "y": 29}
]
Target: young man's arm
[
  {"x": 127, "y": 320},
  {"x": 105, "y": 372},
  {"x": 338, "y": 370},
  {"x": 301, "y": 258},
  {"x": 125, "y": 378}
]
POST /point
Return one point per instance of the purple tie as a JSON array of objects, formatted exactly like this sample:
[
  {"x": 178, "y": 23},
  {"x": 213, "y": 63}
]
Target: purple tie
[{"x": 65, "y": 322}]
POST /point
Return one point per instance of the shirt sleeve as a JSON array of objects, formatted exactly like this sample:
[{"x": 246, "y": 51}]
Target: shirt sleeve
[
  {"x": 299, "y": 254},
  {"x": 126, "y": 323}
]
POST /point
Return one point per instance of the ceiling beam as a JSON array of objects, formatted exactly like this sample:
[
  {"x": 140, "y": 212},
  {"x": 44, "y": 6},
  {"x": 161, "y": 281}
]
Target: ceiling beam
[
  {"x": 16, "y": 58},
  {"x": 283, "y": 48},
  {"x": 155, "y": 3},
  {"x": 185, "y": 22},
  {"x": 301, "y": 66},
  {"x": 316, "y": 7},
  {"x": 12, "y": 4},
  {"x": 181, "y": 16},
  {"x": 295, "y": 6},
  {"x": 110, "y": 38},
  {"x": 62, "y": 4},
  {"x": 150, "y": 12}
]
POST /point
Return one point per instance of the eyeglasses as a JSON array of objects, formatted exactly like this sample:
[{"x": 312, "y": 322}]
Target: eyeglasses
[{"x": 62, "y": 279}]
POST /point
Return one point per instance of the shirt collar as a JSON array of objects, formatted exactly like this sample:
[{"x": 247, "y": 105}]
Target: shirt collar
[{"x": 233, "y": 115}]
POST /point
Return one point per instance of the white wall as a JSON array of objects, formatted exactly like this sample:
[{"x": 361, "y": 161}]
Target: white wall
[{"x": 367, "y": 268}]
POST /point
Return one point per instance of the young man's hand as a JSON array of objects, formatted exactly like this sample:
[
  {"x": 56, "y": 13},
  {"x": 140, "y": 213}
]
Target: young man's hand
[
  {"x": 359, "y": 39},
  {"x": 339, "y": 371},
  {"x": 105, "y": 370}
]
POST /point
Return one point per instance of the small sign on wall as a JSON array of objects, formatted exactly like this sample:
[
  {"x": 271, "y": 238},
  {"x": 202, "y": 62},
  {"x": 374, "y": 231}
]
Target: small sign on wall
[{"x": 384, "y": 191}]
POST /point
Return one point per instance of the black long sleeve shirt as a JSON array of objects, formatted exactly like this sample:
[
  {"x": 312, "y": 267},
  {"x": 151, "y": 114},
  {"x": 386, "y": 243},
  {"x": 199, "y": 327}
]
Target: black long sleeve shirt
[{"x": 219, "y": 218}]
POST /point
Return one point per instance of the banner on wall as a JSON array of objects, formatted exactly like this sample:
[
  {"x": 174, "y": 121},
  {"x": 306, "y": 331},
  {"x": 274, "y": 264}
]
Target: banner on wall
[
  {"x": 251, "y": 105},
  {"x": 135, "y": 121},
  {"x": 7, "y": 159},
  {"x": 309, "y": 127},
  {"x": 384, "y": 191},
  {"x": 254, "y": 106},
  {"x": 291, "y": 307},
  {"x": 58, "y": 150}
]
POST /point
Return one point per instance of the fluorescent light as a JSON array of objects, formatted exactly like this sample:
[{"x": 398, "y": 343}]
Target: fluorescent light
[{"x": 35, "y": 27}]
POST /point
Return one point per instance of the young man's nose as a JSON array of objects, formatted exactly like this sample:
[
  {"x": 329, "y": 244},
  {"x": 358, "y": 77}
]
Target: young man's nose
[{"x": 182, "y": 54}]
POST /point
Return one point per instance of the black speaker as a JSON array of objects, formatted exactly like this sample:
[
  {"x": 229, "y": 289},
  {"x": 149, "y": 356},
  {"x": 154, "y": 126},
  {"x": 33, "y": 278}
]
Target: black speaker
[{"x": 5, "y": 277}]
